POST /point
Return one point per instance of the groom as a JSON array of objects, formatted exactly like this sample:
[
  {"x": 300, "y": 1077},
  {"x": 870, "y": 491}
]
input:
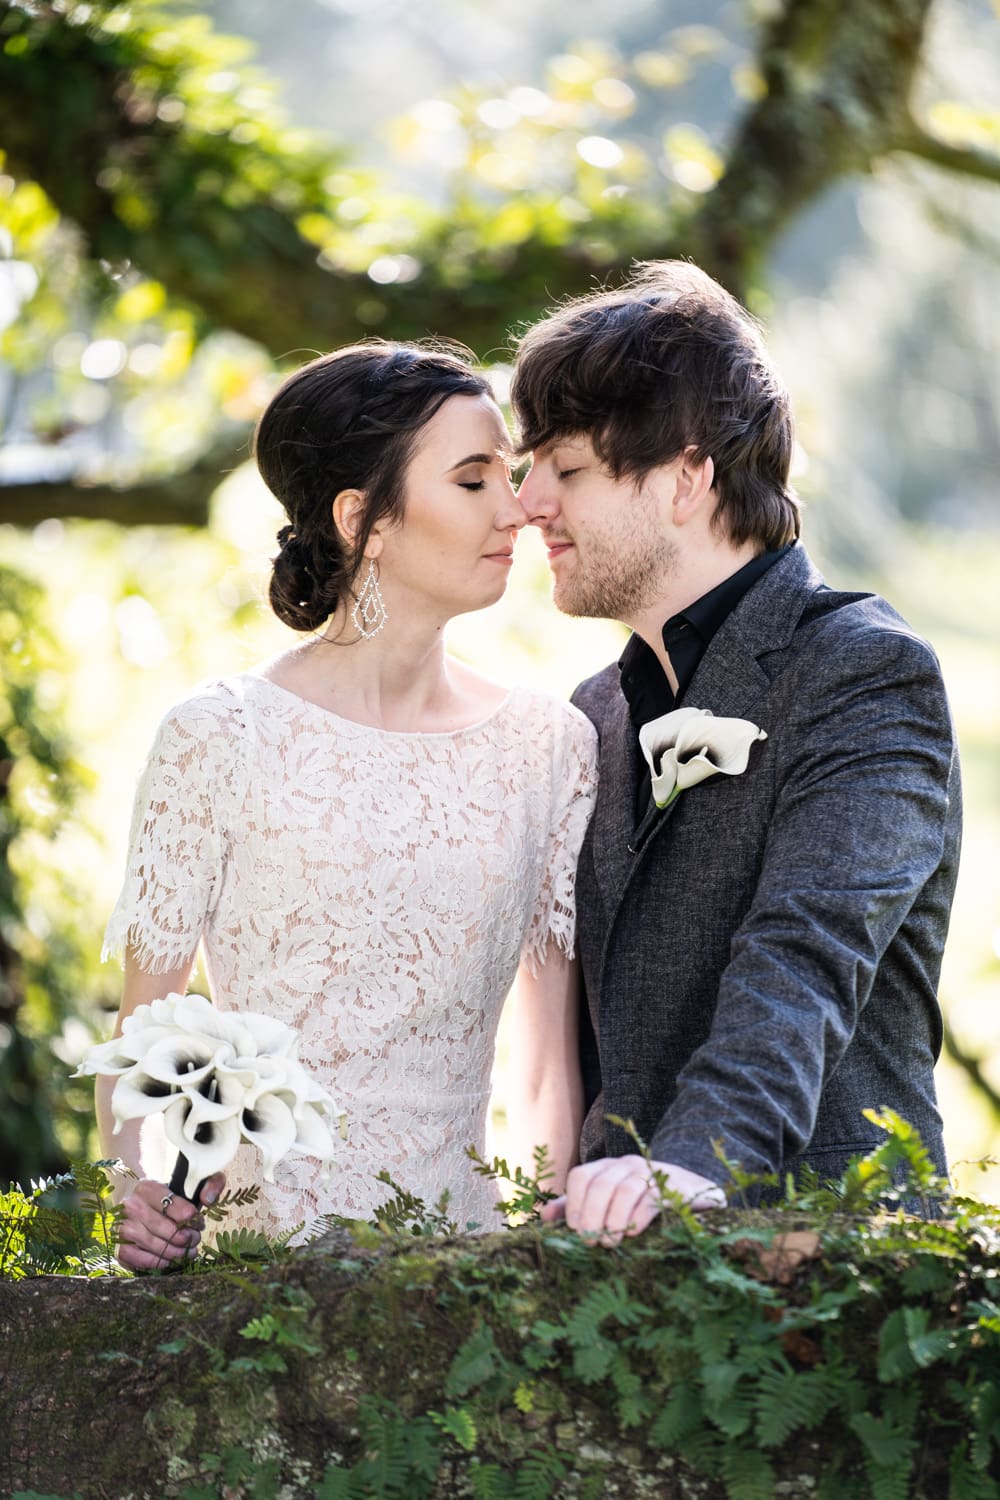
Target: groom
[{"x": 761, "y": 956}]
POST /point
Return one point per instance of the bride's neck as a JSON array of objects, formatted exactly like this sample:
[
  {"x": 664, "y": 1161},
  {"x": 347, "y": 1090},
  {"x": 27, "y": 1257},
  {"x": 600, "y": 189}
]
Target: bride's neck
[{"x": 400, "y": 678}]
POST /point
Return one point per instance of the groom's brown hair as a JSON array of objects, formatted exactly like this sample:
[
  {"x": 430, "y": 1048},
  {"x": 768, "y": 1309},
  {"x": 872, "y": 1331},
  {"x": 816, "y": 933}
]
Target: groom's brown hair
[{"x": 666, "y": 362}]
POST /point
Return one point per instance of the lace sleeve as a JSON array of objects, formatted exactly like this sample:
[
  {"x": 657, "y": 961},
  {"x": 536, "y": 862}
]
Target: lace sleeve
[
  {"x": 575, "y": 770},
  {"x": 174, "y": 864}
]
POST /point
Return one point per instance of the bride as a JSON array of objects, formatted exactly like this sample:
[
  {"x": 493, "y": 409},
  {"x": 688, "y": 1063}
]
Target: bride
[{"x": 369, "y": 839}]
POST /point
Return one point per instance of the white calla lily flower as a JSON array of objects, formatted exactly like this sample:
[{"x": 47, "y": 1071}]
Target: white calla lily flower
[
  {"x": 690, "y": 744},
  {"x": 114, "y": 1057},
  {"x": 185, "y": 1061},
  {"x": 313, "y": 1136},
  {"x": 218, "y": 1078},
  {"x": 207, "y": 1147},
  {"x": 136, "y": 1095},
  {"x": 268, "y": 1124},
  {"x": 271, "y": 1039}
]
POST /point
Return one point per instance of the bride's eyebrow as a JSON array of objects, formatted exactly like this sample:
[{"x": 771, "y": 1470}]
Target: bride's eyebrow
[
  {"x": 473, "y": 458},
  {"x": 504, "y": 455}
]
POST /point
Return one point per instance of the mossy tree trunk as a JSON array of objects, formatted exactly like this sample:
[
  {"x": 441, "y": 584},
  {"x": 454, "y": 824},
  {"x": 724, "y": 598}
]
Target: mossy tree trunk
[{"x": 460, "y": 1367}]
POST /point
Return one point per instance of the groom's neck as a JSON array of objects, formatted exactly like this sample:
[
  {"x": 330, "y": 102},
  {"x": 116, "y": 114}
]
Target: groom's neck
[{"x": 690, "y": 577}]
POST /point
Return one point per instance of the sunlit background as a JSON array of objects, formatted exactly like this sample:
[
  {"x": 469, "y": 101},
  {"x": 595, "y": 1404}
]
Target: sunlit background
[{"x": 576, "y": 123}]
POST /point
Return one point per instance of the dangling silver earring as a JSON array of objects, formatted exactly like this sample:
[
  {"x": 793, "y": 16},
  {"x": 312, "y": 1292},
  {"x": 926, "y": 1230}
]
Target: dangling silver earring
[{"x": 369, "y": 613}]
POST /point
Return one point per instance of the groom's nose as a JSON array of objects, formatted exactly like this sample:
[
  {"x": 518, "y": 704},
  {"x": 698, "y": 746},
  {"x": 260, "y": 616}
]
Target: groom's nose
[{"x": 538, "y": 499}]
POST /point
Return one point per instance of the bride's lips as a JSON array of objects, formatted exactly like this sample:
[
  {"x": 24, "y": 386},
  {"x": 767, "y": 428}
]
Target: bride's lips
[{"x": 504, "y": 558}]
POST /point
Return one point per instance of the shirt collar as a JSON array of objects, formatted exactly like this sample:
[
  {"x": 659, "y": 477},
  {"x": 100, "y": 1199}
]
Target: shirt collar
[{"x": 686, "y": 636}]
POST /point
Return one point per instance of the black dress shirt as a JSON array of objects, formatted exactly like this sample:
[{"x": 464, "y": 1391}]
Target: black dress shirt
[{"x": 685, "y": 638}]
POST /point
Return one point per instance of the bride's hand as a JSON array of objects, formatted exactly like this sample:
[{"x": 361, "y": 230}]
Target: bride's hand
[{"x": 159, "y": 1227}]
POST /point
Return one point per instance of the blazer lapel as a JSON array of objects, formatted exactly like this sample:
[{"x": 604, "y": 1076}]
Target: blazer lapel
[
  {"x": 729, "y": 678},
  {"x": 614, "y": 818},
  {"x": 728, "y": 681}
]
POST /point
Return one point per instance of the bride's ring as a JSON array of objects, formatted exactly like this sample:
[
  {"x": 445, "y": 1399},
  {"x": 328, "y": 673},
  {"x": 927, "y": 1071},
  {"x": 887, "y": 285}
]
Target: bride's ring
[{"x": 166, "y": 1201}]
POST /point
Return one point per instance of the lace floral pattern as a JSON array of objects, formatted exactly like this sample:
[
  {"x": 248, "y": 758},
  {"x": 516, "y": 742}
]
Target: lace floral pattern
[{"x": 373, "y": 889}]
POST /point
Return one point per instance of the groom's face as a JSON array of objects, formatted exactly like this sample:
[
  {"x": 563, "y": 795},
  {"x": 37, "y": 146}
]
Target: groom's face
[{"x": 609, "y": 549}]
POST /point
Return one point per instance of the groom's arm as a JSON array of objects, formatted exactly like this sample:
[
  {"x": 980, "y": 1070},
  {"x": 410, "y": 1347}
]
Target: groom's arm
[{"x": 867, "y": 767}]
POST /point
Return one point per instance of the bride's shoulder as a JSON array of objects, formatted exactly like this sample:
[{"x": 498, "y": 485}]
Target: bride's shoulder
[
  {"x": 212, "y": 707},
  {"x": 550, "y": 722}
]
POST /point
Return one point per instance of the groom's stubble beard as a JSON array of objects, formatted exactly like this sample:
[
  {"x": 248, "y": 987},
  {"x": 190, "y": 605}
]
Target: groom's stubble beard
[{"x": 620, "y": 576}]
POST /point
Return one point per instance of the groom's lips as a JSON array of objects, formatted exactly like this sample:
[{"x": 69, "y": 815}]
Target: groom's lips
[{"x": 556, "y": 549}]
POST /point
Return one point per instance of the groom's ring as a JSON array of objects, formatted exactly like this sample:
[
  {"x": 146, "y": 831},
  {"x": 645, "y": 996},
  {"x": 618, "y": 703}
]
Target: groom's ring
[{"x": 166, "y": 1202}]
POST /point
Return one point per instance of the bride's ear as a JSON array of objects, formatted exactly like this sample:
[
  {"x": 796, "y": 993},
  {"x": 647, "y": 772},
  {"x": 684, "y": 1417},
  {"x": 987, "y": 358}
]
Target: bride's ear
[{"x": 348, "y": 516}]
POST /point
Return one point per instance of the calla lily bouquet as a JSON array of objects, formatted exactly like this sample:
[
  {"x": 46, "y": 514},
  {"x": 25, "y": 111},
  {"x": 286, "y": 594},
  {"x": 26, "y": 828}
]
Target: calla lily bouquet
[
  {"x": 218, "y": 1078},
  {"x": 691, "y": 744}
]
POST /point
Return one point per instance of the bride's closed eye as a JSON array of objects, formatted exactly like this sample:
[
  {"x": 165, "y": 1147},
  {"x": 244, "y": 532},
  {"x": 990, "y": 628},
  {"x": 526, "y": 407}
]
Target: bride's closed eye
[{"x": 472, "y": 484}]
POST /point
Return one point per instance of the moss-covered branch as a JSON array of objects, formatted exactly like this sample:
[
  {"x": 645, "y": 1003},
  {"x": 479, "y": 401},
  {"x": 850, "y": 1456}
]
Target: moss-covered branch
[
  {"x": 965, "y": 160},
  {"x": 240, "y": 218},
  {"x": 227, "y": 210},
  {"x": 733, "y": 1358},
  {"x": 837, "y": 78},
  {"x": 180, "y": 499}
]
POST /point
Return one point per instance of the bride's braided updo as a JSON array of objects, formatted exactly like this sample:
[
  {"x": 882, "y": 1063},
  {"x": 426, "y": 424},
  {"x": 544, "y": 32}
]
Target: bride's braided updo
[{"x": 348, "y": 420}]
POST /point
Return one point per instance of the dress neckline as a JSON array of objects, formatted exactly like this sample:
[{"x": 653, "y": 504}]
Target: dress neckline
[{"x": 399, "y": 734}]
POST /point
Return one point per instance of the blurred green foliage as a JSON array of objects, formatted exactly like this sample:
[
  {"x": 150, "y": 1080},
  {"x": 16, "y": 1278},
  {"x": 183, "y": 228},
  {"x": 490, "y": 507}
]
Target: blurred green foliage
[{"x": 44, "y": 978}]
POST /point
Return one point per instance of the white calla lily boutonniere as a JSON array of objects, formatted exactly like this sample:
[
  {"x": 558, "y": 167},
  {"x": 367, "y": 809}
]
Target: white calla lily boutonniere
[
  {"x": 691, "y": 744},
  {"x": 218, "y": 1078}
]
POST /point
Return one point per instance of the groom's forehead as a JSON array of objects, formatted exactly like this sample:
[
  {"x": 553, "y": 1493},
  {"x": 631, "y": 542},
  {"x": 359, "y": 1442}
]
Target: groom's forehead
[{"x": 577, "y": 442}]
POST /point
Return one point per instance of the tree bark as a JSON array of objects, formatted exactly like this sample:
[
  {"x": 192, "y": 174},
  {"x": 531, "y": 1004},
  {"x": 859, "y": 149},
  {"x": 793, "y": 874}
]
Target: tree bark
[
  {"x": 115, "y": 1389},
  {"x": 838, "y": 76},
  {"x": 180, "y": 499}
]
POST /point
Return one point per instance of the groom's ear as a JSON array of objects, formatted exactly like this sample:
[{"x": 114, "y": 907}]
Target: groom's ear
[{"x": 693, "y": 489}]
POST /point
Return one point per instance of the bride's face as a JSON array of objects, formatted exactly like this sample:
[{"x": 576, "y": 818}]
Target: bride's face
[{"x": 453, "y": 549}]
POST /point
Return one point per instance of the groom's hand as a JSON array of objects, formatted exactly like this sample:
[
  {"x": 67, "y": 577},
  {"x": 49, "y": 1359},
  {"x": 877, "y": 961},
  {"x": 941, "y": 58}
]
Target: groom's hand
[{"x": 607, "y": 1200}]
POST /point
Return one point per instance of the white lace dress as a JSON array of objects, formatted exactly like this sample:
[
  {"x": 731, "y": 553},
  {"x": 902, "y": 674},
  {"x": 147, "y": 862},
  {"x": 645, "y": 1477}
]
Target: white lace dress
[{"x": 375, "y": 890}]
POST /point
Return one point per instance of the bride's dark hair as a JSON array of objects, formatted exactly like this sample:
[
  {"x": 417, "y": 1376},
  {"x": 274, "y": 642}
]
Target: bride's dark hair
[{"x": 348, "y": 420}]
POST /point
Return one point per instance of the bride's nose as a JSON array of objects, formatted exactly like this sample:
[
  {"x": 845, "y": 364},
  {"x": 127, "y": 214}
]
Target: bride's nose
[{"x": 511, "y": 515}]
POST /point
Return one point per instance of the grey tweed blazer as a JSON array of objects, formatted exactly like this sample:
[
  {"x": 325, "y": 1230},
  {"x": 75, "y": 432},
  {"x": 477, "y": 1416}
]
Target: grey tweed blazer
[{"x": 766, "y": 966}]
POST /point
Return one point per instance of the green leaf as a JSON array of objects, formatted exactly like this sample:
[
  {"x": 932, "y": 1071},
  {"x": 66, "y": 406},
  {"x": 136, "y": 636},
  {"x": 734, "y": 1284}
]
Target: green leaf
[
  {"x": 887, "y": 1445},
  {"x": 339, "y": 1484},
  {"x": 524, "y": 1397},
  {"x": 969, "y": 1481},
  {"x": 927, "y": 1345},
  {"x": 985, "y": 1412},
  {"x": 458, "y": 1424},
  {"x": 475, "y": 1362},
  {"x": 592, "y": 1362},
  {"x": 895, "y": 1360},
  {"x": 681, "y": 1414}
]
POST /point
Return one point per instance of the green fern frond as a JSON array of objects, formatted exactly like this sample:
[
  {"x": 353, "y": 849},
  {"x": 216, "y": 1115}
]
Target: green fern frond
[
  {"x": 538, "y": 1477},
  {"x": 680, "y": 1416},
  {"x": 609, "y": 1300},
  {"x": 236, "y": 1198},
  {"x": 490, "y": 1482},
  {"x": 475, "y": 1362},
  {"x": 238, "y": 1246},
  {"x": 889, "y": 1451},
  {"x": 789, "y": 1400},
  {"x": 748, "y": 1474},
  {"x": 969, "y": 1480}
]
